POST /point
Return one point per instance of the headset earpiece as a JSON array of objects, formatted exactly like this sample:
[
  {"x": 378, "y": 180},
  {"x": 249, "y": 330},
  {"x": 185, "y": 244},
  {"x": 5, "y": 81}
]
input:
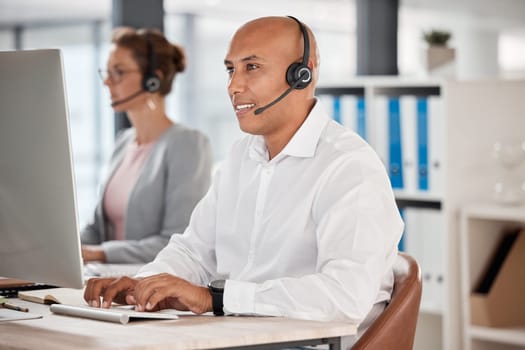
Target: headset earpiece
[
  {"x": 151, "y": 81},
  {"x": 299, "y": 74},
  {"x": 296, "y": 71}
]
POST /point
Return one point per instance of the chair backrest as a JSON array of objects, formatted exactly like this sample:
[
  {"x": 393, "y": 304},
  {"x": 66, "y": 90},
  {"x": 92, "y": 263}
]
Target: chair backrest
[{"x": 395, "y": 328}]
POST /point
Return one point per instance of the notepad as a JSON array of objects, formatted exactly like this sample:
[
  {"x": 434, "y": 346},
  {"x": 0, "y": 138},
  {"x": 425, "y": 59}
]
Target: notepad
[
  {"x": 117, "y": 314},
  {"x": 69, "y": 296},
  {"x": 12, "y": 315}
]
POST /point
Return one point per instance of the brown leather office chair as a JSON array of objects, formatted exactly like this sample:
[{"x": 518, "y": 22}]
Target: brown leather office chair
[{"x": 395, "y": 328}]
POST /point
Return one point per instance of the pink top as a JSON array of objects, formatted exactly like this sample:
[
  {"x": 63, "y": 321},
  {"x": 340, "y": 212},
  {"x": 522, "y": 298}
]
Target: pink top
[{"x": 121, "y": 184}]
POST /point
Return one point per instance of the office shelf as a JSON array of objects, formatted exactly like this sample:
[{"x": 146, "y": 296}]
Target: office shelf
[
  {"x": 514, "y": 336},
  {"x": 476, "y": 114},
  {"x": 481, "y": 229}
]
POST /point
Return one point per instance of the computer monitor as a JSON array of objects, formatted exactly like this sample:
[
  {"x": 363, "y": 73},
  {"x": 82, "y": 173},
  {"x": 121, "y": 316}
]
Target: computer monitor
[{"x": 39, "y": 236}]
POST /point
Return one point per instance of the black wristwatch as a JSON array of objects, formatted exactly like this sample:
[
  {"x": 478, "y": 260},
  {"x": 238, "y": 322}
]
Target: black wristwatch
[{"x": 216, "y": 289}]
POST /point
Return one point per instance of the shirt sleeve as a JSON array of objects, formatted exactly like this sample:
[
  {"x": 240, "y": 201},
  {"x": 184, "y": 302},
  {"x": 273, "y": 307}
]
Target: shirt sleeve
[{"x": 358, "y": 227}]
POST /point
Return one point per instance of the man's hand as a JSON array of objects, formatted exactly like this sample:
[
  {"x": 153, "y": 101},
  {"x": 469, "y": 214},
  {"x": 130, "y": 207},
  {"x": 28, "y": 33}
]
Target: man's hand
[
  {"x": 165, "y": 291},
  {"x": 110, "y": 290},
  {"x": 93, "y": 253}
]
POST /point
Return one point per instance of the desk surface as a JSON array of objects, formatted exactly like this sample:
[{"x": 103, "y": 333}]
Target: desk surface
[{"x": 188, "y": 332}]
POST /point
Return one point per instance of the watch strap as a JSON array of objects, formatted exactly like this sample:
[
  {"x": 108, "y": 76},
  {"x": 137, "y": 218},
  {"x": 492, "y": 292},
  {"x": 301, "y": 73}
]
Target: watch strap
[{"x": 217, "y": 297}]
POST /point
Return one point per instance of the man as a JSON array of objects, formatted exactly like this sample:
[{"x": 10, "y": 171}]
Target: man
[{"x": 300, "y": 220}]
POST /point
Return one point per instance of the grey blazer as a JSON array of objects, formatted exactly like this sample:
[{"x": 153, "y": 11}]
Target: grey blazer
[{"x": 175, "y": 177}]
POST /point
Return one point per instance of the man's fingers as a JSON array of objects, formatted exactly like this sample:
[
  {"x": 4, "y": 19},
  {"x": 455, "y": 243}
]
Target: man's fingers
[
  {"x": 151, "y": 290},
  {"x": 130, "y": 299},
  {"x": 94, "y": 289},
  {"x": 117, "y": 290},
  {"x": 167, "y": 291}
]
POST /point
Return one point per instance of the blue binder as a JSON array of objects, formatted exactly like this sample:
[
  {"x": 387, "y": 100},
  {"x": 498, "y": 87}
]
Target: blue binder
[
  {"x": 336, "y": 109},
  {"x": 395, "y": 167},
  {"x": 401, "y": 244},
  {"x": 361, "y": 117},
  {"x": 422, "y": 143}
]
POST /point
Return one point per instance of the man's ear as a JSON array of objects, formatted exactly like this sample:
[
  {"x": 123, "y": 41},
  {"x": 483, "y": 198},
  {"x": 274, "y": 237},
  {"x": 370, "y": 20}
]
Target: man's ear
[{"x": 311, "y": 64}]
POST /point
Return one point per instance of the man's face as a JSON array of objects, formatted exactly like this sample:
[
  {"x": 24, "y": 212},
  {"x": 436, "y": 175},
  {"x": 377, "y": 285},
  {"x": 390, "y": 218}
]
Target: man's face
[{"x": 256, "y": 63}]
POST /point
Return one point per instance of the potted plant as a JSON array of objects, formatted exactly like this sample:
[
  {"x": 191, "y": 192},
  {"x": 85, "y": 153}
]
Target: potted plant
[
  {"x": 439, "y": 57},
  {"x": 437, "y": 37}
]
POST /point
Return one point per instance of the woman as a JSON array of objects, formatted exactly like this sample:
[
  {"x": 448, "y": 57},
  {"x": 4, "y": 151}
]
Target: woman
[{"x": 159, "y": 169}]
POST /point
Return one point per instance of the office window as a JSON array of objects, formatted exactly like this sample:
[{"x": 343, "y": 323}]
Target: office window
[
  {"x": 202, "y": 93},
  {"x": 7, "y": 41},
  {"x": 174, "y": 32},
  {"x": 338, "y": 55},
  {"x": 90, "y": 113},
  {"x": 511, "y": 54}
]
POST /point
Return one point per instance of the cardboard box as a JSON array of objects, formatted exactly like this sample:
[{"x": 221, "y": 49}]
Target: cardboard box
[{"x": 502, "y": 304}]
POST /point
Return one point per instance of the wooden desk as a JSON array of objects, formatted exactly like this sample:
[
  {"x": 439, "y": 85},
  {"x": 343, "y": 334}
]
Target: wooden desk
[{"x": 188, "y": 332}]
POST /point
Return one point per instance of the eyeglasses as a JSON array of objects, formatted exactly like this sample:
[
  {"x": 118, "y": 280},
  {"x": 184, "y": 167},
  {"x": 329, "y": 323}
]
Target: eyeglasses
[{"x": 114, "y": 75}]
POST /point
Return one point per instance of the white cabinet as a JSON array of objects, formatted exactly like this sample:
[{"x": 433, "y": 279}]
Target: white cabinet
[
  {"x": 475, "y": 115},
  {"x": 481, "y": 230}
]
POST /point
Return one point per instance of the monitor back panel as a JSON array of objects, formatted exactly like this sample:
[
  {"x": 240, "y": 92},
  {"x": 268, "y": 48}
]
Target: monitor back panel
[{"x": 39, "y": 239}]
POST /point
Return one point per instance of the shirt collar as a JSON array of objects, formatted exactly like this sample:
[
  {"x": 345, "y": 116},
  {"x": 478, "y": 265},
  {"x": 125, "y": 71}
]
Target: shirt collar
[{"x": 303, "y": 143}]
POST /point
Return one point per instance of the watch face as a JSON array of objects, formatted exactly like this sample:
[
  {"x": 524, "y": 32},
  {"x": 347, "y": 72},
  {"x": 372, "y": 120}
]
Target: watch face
[{"x": 218, "y": 284}]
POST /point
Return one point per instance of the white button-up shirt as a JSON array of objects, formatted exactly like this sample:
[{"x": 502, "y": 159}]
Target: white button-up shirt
[{"x": 311, "y": 233}]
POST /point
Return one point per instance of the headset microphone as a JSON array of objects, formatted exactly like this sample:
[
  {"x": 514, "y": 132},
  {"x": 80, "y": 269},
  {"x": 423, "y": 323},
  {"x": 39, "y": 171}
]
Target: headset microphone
[
  {"x": 298, "y": 74},
  {"x": 126, "y": 99},
  {"x": 151, "y": 81},
  {"x": 283, "y": 95}
]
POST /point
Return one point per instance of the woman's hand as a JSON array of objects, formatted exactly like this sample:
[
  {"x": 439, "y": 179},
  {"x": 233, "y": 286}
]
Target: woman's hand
[{"x": 93, "y": 253}]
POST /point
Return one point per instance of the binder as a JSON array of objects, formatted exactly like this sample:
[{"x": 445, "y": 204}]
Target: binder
[
  {"x": 336, "y": 109},
  {"x": 380, "y": 129},
  {"x": 422, "y": 144},
  {"x": 434, "y": 249},
  {"x": 414, "y": 245},
  {"x": 424, "y": 240},
  {"x": 328, "y": 103},
  {"x": 361, "y": 117},
  {"x": 401, "y": 244},
  {"x": 436, "y": 135},
  {"x": 408, "y": 143},
  {"x": 348, "y": 107},
  {"x": 395, "y": 164}
]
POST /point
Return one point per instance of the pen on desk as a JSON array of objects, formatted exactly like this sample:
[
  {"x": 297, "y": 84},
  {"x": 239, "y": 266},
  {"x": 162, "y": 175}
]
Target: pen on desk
[{"x": 15, "y": 307}]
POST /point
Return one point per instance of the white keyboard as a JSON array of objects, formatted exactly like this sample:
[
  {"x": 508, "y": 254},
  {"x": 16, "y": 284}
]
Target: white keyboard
[{"x": 110, "y": 270}]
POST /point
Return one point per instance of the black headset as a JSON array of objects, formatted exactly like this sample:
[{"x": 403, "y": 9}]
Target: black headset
[
  {"x": 151, "y": 81},
  {"x": 298, "y": 74}
]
